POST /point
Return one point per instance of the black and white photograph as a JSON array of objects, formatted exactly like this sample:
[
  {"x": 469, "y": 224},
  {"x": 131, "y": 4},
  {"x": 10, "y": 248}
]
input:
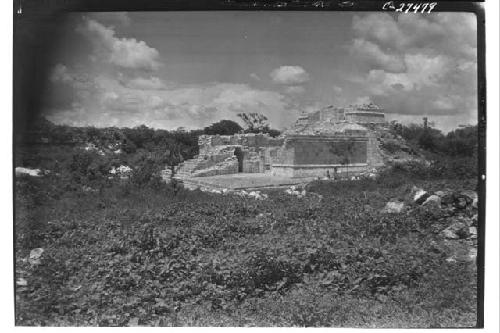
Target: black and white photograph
[{"x": 249, "y": 164}]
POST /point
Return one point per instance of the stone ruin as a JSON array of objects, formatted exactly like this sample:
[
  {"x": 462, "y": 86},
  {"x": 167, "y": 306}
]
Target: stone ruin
[
  {"x": 325, "y": 142},
  {"x": 227, "y": 154}
]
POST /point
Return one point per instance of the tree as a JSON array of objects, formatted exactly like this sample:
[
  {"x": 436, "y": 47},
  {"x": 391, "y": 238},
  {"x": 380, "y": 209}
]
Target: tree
[
  {"x": 255, "y": 122},
  {"x": 173, "y": 158},
  {"x": 273, "y": 132},
  {"x": 462, "y": 141},
  {"x": 431, "y": 139},
  {"x": 223, "y": 127}
]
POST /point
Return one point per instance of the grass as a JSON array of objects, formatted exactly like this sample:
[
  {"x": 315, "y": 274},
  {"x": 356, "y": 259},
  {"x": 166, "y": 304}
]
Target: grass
[{"x": 137, "y": 256}]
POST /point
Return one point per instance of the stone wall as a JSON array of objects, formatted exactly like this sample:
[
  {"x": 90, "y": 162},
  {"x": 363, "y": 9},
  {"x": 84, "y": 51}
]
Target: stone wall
[
  {"x": 270, "y": 156},
  {"x": 208, "y": 143},
  {"x": 330, "y": 151},
  {"x": 313, "y": 156},
  {"x": 285, "y": 155},
  {"x": 294, "y": 155},
  {"x": 320, "y": 170},
  {"x": 253, "y": 162},
  {"x": 373, "y": 155},
  {"x": 228, "y": 166},
  {"x": 365, "y": 117},
  {"x": 322, "y": 150},
  {"x": 333, "y": 114}
]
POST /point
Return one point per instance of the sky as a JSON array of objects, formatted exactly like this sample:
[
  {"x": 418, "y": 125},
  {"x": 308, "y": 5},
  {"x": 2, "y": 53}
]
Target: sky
[{"x": 190, "y": 69}]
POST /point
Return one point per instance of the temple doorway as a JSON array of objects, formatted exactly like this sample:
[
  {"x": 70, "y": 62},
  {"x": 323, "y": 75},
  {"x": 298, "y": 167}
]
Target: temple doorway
[{"x": 239, "y": 155}]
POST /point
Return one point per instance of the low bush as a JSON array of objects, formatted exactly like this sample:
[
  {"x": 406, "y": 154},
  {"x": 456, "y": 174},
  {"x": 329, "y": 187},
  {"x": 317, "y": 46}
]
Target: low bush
[{"x": 152, "y": 254}]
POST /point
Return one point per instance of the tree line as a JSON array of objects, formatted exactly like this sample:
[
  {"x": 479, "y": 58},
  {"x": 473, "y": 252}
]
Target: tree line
[{"x": 459, "y": 142}]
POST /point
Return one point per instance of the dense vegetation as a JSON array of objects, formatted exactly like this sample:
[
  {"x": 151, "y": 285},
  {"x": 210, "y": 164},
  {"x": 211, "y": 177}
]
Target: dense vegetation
[
  {"x": 138, "y": 251},
  {"x": 459, "y": 142},
  {"x": 131, "y": 255}
]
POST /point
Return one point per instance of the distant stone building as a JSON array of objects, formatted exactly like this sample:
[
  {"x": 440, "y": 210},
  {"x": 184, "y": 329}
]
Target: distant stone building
[
  {"x": 361, "y": 114},
  {"x": 328, "y": 141}
]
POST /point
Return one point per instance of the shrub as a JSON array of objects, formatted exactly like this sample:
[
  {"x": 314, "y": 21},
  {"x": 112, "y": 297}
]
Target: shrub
[
  {"x": 223, "y": 127},
  {"x": 391, "y": 146}
]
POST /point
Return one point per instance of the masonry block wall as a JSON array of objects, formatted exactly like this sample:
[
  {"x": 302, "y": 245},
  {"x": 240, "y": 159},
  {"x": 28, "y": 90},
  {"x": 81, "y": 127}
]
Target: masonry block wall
[
  {"x": 374, "y": 154},
  {"x": 315, "y": 156},
  {"x": 332, "y": 151},
  {"x": 332, "y": 114},
  {"x": 207, "y": 143},
  {"x": 365, "y": 117},
  {"x": 252, "y": 163},
  {"x": 299, "y": 155},
  {"x": 285, "y": 155}
]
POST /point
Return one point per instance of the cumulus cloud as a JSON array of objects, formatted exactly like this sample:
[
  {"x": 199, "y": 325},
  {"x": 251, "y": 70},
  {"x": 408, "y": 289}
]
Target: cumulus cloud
[
  {"x": 289, "y": 75},
  {"x": 295, "y": 90},
  {"x": 372, "y": 54},
  {"x": 438, "y": 32},
  {"x": 122, "y": 52},
  {"x": 363, "y": 100},
  {"x": 68, "y": 86},
  {"x": 414, "y": 64},
  {"x": 151, "y": 83},
  {"x": 62, "y": 74},
  {"x": 255, "y": 76},
  {"x": 122, "y": 102},
  {"x": 337, "y": 90}
]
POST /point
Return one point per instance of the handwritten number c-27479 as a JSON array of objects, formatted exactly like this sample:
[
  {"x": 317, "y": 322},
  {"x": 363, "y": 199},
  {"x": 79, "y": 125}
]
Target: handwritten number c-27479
[{"x": 407, "y": 7}]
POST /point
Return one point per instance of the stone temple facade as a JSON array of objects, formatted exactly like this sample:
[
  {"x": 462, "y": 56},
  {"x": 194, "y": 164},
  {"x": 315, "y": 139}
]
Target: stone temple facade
[{"x": 328, "y": 141}]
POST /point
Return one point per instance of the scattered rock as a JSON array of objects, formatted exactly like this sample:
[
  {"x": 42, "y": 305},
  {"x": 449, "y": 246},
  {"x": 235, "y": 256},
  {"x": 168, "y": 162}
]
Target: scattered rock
[
  {"x": 456, "y": 231},
  {"x": 469, "y": 195},
  {"x": 86, "y": 188},
  {"x": 123, "y": 171},
  {"x": 473, "y": 232},
  {"x": 447, "y": 197},
  {"x": 35, "y": 256},
  {"x": 464, "y": 219},
  {"x": 253, "y": 194},
  {"x": 420, "y": 196},
  {"x": 433, "y": 200},
  {"x": 393, "y": 207},
  {"x": 474, "y": 204},
  {"x": 474, "y": 220},
  {"x": 293, "y": 190},
  {"x": 473, "y": 254},
  {"x": 28, "y": 171},
  {"x": 21, "y": 282},
  {"x": 460, "y": 202}
]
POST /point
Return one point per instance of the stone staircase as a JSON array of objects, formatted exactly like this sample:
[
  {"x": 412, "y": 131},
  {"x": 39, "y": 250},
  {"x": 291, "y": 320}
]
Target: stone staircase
[
  {"x": 187, "y": 167},
  {"x": 184, "y": 169},
  {"x": 218, "y": 162}
]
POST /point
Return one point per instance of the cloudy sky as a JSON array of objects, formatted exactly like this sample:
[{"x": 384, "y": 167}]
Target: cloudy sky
[{"x": 190, "y": 69}]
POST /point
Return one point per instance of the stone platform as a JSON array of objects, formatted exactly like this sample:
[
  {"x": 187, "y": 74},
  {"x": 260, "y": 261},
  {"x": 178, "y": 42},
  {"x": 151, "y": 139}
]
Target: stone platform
[{"x": 247, "y": 181}]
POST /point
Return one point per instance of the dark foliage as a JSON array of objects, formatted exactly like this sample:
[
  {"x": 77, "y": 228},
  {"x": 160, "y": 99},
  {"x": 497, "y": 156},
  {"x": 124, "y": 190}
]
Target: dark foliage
[
  {"x": 139, "y": 251},
  {"x": 223, "y": 127},
  {"x": 460, "y": 142},
  {"x": 133, "y": 254}
]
